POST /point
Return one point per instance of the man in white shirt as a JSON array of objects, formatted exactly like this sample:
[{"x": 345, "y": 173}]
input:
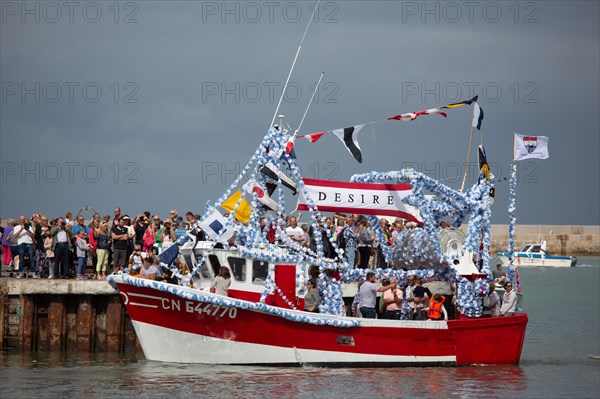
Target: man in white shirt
[
  {"x": 294, "y": 231},
  {"x": 25, "y": 235}
]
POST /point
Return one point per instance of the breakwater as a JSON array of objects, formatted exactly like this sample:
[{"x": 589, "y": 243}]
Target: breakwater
[
  {"x": 64, "y": 315},
  {"x": 560, "y": 239}
]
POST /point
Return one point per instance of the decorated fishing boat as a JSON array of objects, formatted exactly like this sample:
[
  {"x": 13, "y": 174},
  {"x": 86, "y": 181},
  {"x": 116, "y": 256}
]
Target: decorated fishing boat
[
  {"x": 536, "y": 255},
  {"x": 261, "y": 319}
]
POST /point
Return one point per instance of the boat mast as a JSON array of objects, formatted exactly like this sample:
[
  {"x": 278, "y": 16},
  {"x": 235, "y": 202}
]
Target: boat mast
[
  {"x": 308, "y": 106},
  {"x": 293, "y": 65}
]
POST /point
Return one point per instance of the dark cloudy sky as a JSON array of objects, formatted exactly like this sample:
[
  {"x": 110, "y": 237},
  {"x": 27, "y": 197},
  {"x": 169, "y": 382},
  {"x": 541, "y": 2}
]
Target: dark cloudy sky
[{"x": 153, "y": 105}]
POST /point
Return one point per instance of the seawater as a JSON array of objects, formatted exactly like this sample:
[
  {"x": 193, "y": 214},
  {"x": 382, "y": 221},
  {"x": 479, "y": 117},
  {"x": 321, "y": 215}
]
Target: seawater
[{"x": 563, "y": 305}]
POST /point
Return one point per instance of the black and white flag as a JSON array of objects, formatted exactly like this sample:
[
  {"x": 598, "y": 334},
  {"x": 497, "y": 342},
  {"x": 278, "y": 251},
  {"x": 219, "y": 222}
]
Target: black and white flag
[{"x": 349, "y": 137}]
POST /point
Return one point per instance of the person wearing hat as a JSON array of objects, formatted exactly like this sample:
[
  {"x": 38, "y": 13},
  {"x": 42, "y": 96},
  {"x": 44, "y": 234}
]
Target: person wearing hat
[{"x": 411, "y": 225}]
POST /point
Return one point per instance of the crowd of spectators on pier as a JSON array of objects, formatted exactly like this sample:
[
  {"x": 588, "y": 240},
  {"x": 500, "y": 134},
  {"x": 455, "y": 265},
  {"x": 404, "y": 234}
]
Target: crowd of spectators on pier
[{"x": 63, "y": 247}]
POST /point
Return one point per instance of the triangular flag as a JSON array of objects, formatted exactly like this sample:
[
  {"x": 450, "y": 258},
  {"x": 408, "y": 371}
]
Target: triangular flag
[
  {"x": 349, "y": 137},
  {"x": 169, "y": 255},
  {"x": 431, "y": 112},
  {"x": 313, "y": 137},
  {"x": 411, "y": 116},
  {"x": 244, "y": 209},
  {"x": 290, "y": 144},
  {"x": 484, "y": 167},
  {"x": 462, "y": 103},
  {"x": 477, "y": 116}
]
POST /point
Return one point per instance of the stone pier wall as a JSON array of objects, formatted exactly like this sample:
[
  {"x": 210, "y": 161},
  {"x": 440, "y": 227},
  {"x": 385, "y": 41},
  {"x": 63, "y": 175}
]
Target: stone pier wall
[
  {"x": 63, "y": 315},
  {"x": 560, "y": 240}
]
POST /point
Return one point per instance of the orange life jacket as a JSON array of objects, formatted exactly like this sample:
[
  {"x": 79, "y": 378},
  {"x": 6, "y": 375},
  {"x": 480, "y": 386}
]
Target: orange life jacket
[{"x": 435, "y": 309}]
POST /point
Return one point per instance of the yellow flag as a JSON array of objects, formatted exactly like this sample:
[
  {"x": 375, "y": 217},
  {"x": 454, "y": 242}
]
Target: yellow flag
[{"x": 243, "y": 211}]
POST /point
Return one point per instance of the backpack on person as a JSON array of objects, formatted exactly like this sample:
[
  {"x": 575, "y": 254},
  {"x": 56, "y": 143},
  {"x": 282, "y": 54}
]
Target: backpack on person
[{"x": 341, "y": 239}]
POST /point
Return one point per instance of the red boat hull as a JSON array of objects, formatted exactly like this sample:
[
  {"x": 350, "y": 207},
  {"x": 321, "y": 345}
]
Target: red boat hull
[{"x": 173, "y": 327}]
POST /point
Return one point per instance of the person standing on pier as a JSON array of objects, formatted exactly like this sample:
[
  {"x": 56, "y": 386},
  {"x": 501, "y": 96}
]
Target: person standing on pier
[
  {"x": 82, "y": 248},
  {"x": 25, "y": 235},
  {"x": 40, "y": 223},
  {"x": 120, "y": 235},
  {"x": 102, "y": 240},
  {"x": 6, "y": 253},
  {"x": 80, "y": 226},
  {"x": 61, "y": 245}
]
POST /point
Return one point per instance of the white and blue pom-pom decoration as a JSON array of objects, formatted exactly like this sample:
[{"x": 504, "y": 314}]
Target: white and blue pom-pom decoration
[{"x": 418, "y": 249}]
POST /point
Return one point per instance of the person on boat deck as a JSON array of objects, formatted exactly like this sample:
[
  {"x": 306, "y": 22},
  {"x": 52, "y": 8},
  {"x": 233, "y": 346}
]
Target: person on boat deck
[
  {"x": 305, "y": 234},
  {"x": 294, "y": 231},
  {"x": 509, "y": 300},
  {"x": 312, "y": 298},
  {"x": 221, "y": 282},
  {"x": 368, "y": 295},
  {"x": 167, "y": 276},
  {"x": 150, "y": 268},
  {"x": 494, "y": 301},
  {"x": 421, "y": 296},
  {"x": 436, "y": 308},
  {"x": 365, "y": 243},
  {"x": 409, "y": 299},
  {"x": 392, "y": 300},
  {"x": 499, "y": 275},
  {"x": 351, "y": 237}
]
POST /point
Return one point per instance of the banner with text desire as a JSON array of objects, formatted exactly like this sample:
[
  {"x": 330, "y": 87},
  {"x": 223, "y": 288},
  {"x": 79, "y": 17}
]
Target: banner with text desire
[{"x": 361, "y": 198}]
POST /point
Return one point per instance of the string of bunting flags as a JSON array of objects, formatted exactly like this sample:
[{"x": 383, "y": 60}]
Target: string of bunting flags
[{"x": 349, "y": 135}]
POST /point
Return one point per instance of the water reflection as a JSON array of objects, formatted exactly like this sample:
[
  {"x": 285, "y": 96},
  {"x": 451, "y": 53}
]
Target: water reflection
[{"x": 116, "y": 376}]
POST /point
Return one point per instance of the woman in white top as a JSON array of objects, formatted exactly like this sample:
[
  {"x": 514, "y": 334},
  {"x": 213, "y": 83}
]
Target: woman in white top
[
  {"x": 220, "y": 285},
  {"x": 509, "y": 300},
  {"x": 168, "y": 234},
  {"x": 150, "y": 268}
]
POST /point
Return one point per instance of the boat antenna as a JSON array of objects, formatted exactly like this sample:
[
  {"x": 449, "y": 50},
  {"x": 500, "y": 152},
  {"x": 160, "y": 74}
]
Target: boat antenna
[
  {"x": 293, "y": 64},
  {"x": 308, "y": 106},
  {"x": 464, "y": 181}
]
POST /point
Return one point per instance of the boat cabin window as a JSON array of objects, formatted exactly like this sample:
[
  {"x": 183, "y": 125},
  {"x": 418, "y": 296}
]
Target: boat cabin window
[
  {"x": 238, "y": 267},
  {"x": 536, "y": 248},
  {"x": 204, "y": 271},
  {"x": 214, "y": 262},
  {"x": 260, "y": 271},
  {"x": 525, "y": 248}
]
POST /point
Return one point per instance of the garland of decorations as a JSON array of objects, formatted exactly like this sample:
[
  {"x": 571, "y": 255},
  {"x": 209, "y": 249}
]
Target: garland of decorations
[
  {"x": 385, "y": 248},
  {"x": 422, "y": 247},
  {"x": 224, "y": 302},
  {"x": 416, "y": 247},
  {"x": 512, "y": 273}
]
